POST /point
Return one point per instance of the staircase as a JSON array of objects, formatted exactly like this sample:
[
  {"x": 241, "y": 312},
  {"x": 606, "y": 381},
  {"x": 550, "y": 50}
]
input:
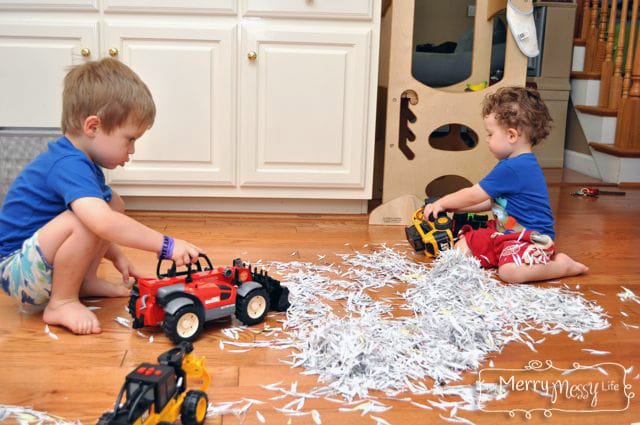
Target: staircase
[{"x": 605, "y": 86}]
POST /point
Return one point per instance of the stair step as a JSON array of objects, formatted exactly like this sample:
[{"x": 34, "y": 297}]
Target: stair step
[
  {"x": 614, "y": 150},
  {"x": 585, "y": 75},
  {"x": 579, "y": 42},
  {"x": 597, "y": 110}
]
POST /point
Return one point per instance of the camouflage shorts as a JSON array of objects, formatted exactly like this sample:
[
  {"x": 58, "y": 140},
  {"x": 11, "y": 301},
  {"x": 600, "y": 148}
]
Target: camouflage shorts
[{"x": 26, "y": 275}]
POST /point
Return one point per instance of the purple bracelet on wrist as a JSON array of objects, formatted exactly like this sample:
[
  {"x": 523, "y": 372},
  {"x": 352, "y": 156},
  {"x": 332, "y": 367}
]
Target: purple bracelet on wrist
[{"x": 167, "y": 248}]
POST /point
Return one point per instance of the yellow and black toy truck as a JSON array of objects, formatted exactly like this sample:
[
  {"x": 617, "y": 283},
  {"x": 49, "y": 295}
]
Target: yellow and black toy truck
[{"x": 157, "y": 393}]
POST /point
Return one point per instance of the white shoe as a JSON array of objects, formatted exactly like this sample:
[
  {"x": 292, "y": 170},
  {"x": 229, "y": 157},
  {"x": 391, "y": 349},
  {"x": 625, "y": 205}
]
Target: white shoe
[{"x": 523, "y": 28}]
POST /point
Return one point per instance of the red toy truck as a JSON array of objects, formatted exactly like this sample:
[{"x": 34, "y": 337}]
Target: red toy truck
[{"x": 182, "y": 301}]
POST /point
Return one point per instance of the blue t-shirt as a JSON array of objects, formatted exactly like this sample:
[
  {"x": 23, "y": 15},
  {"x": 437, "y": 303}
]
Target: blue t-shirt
[
  {"x": 520, "y": 197},
  {"x": 46, "y": 188}
]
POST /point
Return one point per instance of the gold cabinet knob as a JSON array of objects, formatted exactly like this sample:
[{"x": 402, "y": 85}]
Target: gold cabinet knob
[
  {"x": 85, "y": 52},
  {"x": 113, "y": 52},
  {"x": 252, "y": 55}
]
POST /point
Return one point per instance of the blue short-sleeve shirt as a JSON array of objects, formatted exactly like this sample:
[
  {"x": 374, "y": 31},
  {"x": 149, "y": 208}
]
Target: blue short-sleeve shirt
[
  {"x": 520, "y": 196},
  {"x": 46, "y": 188}
]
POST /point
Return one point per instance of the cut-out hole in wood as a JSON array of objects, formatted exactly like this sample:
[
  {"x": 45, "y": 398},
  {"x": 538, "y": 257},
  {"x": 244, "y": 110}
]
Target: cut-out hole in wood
[
  {"x": 453, "y": 137},
  {"x": 407, "y": 116},
  {"x": 498, "y": 48},
  {"x": 445, "y": 185},
  {"x": 443, "y": 44}
]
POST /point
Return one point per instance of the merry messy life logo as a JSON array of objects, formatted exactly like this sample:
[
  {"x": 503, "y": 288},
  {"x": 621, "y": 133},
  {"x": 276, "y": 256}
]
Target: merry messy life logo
[{"x": 542, "y": 387}]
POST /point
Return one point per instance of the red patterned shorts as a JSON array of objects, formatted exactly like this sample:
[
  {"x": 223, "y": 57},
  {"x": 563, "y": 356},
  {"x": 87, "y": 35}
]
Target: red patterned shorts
[{"x": 493, "y": 249}]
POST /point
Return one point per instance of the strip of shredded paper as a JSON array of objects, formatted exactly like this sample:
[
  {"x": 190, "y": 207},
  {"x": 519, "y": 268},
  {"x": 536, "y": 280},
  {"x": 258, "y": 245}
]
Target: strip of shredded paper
[
  {"x": 26, "y": 415},
  {"x": 455, "y": 315}
]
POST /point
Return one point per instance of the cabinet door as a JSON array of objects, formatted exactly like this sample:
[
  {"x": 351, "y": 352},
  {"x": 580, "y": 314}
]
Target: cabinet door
[
  {"x": 190, "y": 72},
  {"x": 304, "y": 108},
  {"x": 34, "y": 59}
]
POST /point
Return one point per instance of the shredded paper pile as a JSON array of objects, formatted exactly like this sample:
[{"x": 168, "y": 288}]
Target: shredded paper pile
[
  {"x": 458, "y": 315},
  {"x": 358, "y": 329}
]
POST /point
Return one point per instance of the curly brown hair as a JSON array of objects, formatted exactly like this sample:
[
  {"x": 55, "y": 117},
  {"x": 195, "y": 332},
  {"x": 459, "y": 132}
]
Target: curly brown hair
[{"x": 520, "y": 108}]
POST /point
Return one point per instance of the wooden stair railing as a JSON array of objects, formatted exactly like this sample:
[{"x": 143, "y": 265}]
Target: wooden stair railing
[
  {"x": 619, "y": 94},
  {"x": 592, "y": 37},
  {"x": 615, "y": 90},
  {"x": 601, "y": 45},
  {"x": 606, "y": 70},
  {"x": 628, "y": 138},
  {"x": 583, "y": 13},
  {"x": 586, "y": 19},
  {"x": 626, "y": 81}
]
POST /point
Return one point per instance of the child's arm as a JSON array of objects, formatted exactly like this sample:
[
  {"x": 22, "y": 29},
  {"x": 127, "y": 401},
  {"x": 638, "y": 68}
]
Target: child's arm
[
  {"x": 117, "y": 228},
  {"x": 464, "y": 198},
  {"x": 481, "y": 207}
]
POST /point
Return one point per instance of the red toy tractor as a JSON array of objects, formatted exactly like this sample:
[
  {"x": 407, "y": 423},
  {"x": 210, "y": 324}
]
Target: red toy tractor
[{"x": 182, "y": 301}]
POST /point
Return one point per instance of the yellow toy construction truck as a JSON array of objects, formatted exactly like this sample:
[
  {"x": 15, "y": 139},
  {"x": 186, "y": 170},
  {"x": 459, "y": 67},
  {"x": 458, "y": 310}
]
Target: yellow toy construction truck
[
  {"x": 431, "y": 235},
  {"x": 157, "y": 394}
]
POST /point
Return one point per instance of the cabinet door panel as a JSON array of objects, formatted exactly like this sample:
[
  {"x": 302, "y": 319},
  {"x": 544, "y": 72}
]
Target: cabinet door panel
[
  {"x": 304, "y": 107},
  {"x": 225, "y": 7},
  {"x": 49, "y": 4},
  {"x": 190, "y": 74},
  {"x": 353, "y": 9},
  {"x": 35, "y": 59}
]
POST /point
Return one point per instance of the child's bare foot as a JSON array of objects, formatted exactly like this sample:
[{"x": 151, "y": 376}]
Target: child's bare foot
[
  {"x": 102, "y": 288},
  {"x": 71, "y": 314},
  {"x": 574, "y": 268}
]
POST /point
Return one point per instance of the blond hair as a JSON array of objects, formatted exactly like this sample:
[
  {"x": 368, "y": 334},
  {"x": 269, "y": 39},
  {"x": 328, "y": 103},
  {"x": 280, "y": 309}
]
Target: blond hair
[
  {"x": 520, "y": 108},
  {"x": 108, "y": 89}
]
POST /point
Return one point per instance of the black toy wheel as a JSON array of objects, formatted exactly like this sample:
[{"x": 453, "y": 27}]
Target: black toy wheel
[
  {"x": 414, "y": 238},
  {"x": 252, "y": 308},
  {"x": 194, "y": 408},
  {"x": 185, "y": 325},
  {"x": 106, "y": 418}
]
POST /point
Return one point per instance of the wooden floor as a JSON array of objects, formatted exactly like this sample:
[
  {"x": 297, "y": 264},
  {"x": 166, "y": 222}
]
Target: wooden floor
[{"x": 78, "y": 377}]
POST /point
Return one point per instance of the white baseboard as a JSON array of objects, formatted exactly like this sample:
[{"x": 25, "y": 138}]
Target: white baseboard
[
  {"x": 582, "y": 163},
  {"x": 617, "y": 169},
  {"x": 309, "y": 206}
]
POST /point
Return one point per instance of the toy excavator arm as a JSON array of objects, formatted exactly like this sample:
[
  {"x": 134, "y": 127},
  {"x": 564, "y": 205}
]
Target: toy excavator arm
[{"x": 194, "y": 368}]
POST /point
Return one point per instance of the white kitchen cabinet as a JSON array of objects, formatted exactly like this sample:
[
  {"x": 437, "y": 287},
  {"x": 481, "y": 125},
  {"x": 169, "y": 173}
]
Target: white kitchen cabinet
[
  {"x": 304, "y": 106},
  {"x": 190, "y": 71},
  {"x": 34, "y": 58},
  {"x": 297, "y": 121}
]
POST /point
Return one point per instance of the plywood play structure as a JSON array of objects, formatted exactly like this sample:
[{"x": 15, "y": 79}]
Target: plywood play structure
[{"x": 413, "y": 158}]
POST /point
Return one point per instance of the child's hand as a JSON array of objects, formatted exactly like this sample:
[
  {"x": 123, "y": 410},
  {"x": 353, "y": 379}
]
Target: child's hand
[
  {"x": 432, "y": 209},
  {"x": 126, "y": 269},
  {"x": 185, "y": 252}
]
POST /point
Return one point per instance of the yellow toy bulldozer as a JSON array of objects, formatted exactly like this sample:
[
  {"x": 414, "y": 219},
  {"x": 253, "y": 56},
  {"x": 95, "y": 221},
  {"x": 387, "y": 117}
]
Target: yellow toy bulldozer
[
  {"x": 436, "y": 234},
  {"x": 156, "y": 393},
  {"x": 432, "y": 235}
]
